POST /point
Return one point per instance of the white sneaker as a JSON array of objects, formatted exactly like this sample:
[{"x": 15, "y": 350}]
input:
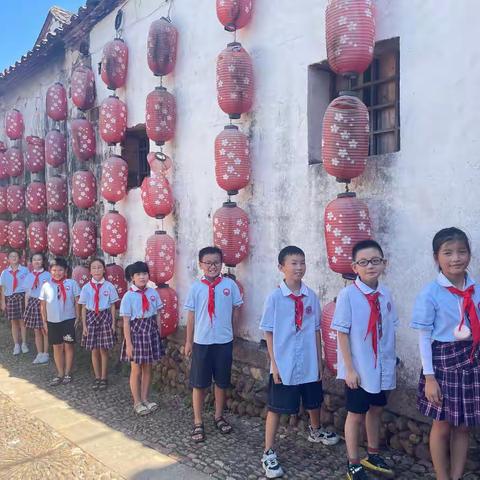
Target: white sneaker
[
  {"x": 270, "y": 465},
  {"x": 25, "y": 348},
  {"x": 44, "y": 358},
  {"x": 37, "y": 358},
  {"x": 321, "y": 435},
  {"x": 17, "y": 349}
]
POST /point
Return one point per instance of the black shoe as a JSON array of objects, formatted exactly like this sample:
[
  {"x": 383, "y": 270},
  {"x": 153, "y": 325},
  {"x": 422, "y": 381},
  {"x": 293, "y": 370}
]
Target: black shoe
[
  {"x": 377, "y": 464},
  {"x": 356, "y": 472}
]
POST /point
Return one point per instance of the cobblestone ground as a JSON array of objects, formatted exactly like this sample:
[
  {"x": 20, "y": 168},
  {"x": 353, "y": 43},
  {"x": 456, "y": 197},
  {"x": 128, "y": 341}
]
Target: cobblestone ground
[{"x": 235, "y": 456}]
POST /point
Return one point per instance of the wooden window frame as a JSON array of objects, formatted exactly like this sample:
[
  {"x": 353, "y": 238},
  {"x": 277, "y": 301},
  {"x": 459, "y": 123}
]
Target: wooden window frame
[{"x": 138, "y": 167}]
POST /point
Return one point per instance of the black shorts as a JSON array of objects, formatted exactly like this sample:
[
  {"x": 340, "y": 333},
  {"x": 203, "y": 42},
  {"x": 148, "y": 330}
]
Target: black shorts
[
  {"x": 209, "y": 361},
  {"x": 359, "y": 401},
  {"x": 61, "y": 332},
  {"x": 286, "y": 398}
]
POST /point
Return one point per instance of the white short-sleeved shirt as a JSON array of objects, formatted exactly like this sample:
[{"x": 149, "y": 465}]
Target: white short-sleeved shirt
[
  {"x": 6, "y": 280},
  {"x": 295, "y": 351},
  {"x": 352, "y": 312},
  {"x": 108, "y": 295},
  {"x": 219, "y": 329},
  {"x": 131, "y": 304},
  {"x": 30, "y": 279},
  {"x": 57, "y": 309}
]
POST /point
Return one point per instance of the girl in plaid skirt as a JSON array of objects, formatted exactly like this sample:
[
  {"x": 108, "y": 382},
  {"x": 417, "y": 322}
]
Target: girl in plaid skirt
[
  {"x": 446, "y": 313},
  {"x": 140, "y": 310},
  {"x": 97, "y": 299}
]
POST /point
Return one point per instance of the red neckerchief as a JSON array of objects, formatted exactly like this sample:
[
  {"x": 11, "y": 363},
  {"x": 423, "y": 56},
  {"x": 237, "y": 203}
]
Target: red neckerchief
[
  {"x": 96, "y": 299},
  {"x": 13, "y": 273},
  {"x": 61, "y": 288},
  {"x": 36, "y": 281},
  {"x": 468, "y": 307},
  {"x": 211, "y": 295},
  {"x": 145, "y": 302},
  {"x": 298, "y": 309}
]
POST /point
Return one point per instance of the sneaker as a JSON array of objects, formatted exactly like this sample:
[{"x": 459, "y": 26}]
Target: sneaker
[
  {"x": 25, "y": 348},
  {"x": 17, "y": 349},
  {"x": 356, "y": 472},
  {"x": 37, "y": 359},
  {"x": 377, "y": 464},
  {"x": 151, "y": 406},
  {"x": 321, "y": 435},
  {"x": 44, "y": 358},
  {"x": 270, "y": 464}
]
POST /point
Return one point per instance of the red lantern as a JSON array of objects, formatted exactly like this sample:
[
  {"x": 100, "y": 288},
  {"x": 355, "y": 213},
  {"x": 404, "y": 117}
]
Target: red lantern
[
  {"x": 14, "y": 159},
  {"x": 116, "y": 275},
  {"x": 14, "y": 124},
  {"x": 15, "y": 198},
  {"x": 57, "y": 193},
  {"x": 234, "y": 80},
  {"x": 114, "y": 178},
  {"x": 112, "y": 120},
  {"x": 232, "y": 159},
  {"x": 4, "y": 232},
  {"x": 83, "y": 87},
  {"x": 234, "y": 14},
  {"x": 230, "y": 233},
  {"x": 3, "y": 162},
  {"x": 160, "y": 257},
  {"x": 81, "y": 275},
  {"x": 36, "y": 198},
  {"x": 84, "y": 189},
  {"x": 3, "y": 260},
  {"x": 350, "y": 35},
  {"x": 169, "y": 311},
  {"x": 113, "y": 233},
  {"x": 37, "y": 237},
  {"x": 157, "y": 196},
  {"x": 58, "y": 238},
  {"x": 83, "y": 139},
  {"x": 329, "y": 337},
  {"x": 345, "y": 138},
  {"x": 3, "y": 198},
  {"x": 162, "y": 47},
  {"x": 161, "y": 115},
  {"x": 347, "y": 221},
  {"x": 55, "y": 148},
  {"x": 35, "y": 154},
  {"x": 84, "y": 243},
  {"x": 56, "y": 102},
  {"x": 17, "y": 234},
  {"x": 115, "y": 64}
]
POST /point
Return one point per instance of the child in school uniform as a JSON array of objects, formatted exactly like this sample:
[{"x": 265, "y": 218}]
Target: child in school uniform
[
  {"x": 140, "y": 310},
  {"x": 60, "y": 314},
  {"x": 12, "y": 300},
  {"x": 447, "y": 317},
  {"x": 97, "y": 300},
  {"x": 365, "y": 319},
  {"x": 291, "y": 324},
  {"x": 32, "y": 316},
  {"x": 213, "y": 307}
]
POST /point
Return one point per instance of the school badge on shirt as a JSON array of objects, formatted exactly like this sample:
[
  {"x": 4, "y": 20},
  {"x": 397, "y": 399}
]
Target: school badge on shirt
[
  {"x": 226, "y": 292},
  {"x": 308, "y": 310}
]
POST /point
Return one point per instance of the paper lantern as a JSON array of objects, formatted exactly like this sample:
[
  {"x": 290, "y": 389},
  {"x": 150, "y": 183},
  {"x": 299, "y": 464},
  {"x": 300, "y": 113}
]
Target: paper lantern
[
  {"x": 57, "y": 198},
  {"x": 113, "y": 233},
  {"x": 3, "y": 199},
  {"x": 14, "y": 126},
  {"x": 56, "y": 102},
  {"x": 15, "y": 198},
  {"x": 232, "y": 159},
  {"x": 161, "y": 115},
  {"x": 4, "y": 260},
  {"x": 169, "y": 311},
  {"x": 350, "y": 35},
  {"x": 347, "y": 221},
  {"x": 230, "y": 233},
  {"x": 3, "y": 162},
  {"x": 83, "y": 87},
  {"x": 83, "y": 139},
  {"x": 114, "y": 178},
  {"x": 58, "y": 238},
  {"x": 159, "y": 162},
  {"x": 36, "y": 198},
  {"x": 55, "y": 148},
  {"x": 84, "y": 189},
  {"x": 115, "y": 64},
  {"x": 162, "y": 46},
  {"x": 112, "y": 120},
  {"x": 329, "y": 337},
  {"x": 17, "y": 234},
  {"x": 35, "y": 154},
  {"x": 160, "y": 257},
  {"x": 116, "y": 275},
  {"x": 4, "y": 232},
  {"x": 235, "y": 80},
  {"x": 157, "y": 196},
  {"x": 14, "y": 161},
  {"x": 37, "y": 237},
  {"x": 345, "y": 138},
  {"x": 234, "y": 14},
  {"x": 84, "y": 238},
  {"x": 81, "y": 275}
]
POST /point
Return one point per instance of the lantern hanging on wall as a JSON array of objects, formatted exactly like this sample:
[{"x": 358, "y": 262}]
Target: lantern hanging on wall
[
  {"x": 14, "y": 126},
  {"x": 35, "y": 154},
  {"x": 57, "y": 198},
  {"x": 4, "y": 260},
  {"x": 81, "y": 275},
  {"x": 114, "y": 178},
  {"x": 3, "y": 198},
  {"x": 36, "y": 198},
  {"x": 116, "y": 275},
  {"x": 157, "y": 196},
  {"x": 235, "y": 86},
  {"x": 160, "y": 257},
  {"x": 113, "y": 233},
  {"x": 115, "y": 64},
  {"x": 4, "y": 232},
  {"x": 55, "y": 148},
  {"x": 230, "y": 233},
  {"x": 56, "y": 102},
  {"x": 14, "y": 161},
  {"x": 169, "y": 311},
  {"x": 84, "y": 238},
  {"x": 84, "y": 189},
  {"x": 37, "y": 237},
  {"x": 329, "y": 337},
  {"x": 162, "y": 47},
  {"x": 347, "y": 221},
  {"x": 83, "y": 87},
  {"x": 17, "y": 234},
  {"x": 3, "y": 162},
  {"x": 112, "y": 120},
  {"x": 234, "y": 14},
  {"x": 58, "y": 238},
  {"x": 83, "y": 139},
  {"x": 15, "y": 198},
  {"x": 161, "y": 115}
]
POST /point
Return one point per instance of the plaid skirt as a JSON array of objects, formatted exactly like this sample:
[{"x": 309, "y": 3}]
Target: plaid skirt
[
  {"x": 147, "y": 345},
  {"x": 459, "y": 381},
  {"x": 15, "y": 306},
  {"x": 100, "y": 330},
  {"x": 32, "y": 316}
]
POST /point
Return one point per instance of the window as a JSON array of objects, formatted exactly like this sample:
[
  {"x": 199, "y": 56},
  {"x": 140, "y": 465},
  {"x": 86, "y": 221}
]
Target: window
[{"x": 135, "y": 149}]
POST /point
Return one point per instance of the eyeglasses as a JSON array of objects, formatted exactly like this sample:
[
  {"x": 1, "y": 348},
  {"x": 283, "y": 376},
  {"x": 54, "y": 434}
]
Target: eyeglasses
[
  {"x": 212, "y": 264},
  {"x": 374, "y": 261}
]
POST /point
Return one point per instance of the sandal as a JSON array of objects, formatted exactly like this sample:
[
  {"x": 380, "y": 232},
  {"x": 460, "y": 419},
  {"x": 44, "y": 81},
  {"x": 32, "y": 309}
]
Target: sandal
[
  {"x": 223, "y": 426},
  {"x": 198, "y": 433},
  {"x": 55, "y": 381},
  {"x": 67, "y": 379},
  {"x": 102, "y": 384},
  {"x": 152, "y": 406},
  {"x": 96, "y": 384},
  {"x": 140, "y": 409}
]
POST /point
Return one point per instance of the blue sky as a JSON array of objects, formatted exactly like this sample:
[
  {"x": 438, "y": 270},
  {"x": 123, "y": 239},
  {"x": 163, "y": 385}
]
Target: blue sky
[{"x": 22, "y": 21}]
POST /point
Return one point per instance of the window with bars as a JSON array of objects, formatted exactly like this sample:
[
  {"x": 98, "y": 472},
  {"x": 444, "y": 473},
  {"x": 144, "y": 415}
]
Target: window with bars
[{"x": 135, "y": 148}]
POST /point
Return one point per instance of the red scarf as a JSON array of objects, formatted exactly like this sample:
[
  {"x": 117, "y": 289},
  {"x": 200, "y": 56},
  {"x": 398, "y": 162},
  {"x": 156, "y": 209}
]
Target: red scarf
[
  {"x": 36, "y": 281},
  {"x": 61, "y": 288},
  {"x": 298, "y": 309},
  {"x": 145, "y": 302},
  {"x": 13, "y": 273},
  {"x": 211, "y": 295},
  {"x": 96, "y": 287}
]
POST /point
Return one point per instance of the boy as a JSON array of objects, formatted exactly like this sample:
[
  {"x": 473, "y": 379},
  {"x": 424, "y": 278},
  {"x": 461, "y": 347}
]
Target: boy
[
  {"x": 291, "y": 322},
  {"x": 213, "y": 306},
  {"x": 60, "y": 314},
  {"x": 365, "y": 320}
]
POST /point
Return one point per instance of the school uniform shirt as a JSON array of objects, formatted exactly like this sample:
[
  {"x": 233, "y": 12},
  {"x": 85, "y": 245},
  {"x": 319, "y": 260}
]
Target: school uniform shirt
[
  {"x": 108, "y": 295},
  {"x": 131, "y": 304},
  {"x": 57, "y": 309},
  {"x": 217, "y": 329},
  {"x": 294, "y": 350},
  {"x": 6, "y": 280},
  {"x": 30, "y": 280},
  {"x": 352, "y": 312}
]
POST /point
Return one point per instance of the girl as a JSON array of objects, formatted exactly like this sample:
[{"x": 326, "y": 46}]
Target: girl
[
  {"x": 12, "y": 299},
  {"x": 140, "y": 309},
  {"x": 32, "y": 317},
  {"x": 98, "y": 299},
  {"x": 447, "y": 318}
]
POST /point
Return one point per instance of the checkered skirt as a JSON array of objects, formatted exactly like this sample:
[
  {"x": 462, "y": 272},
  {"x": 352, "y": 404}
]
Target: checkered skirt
[
  {"x": 15, "y": 306},
  {"x": 32, "y": 316},
  {"x": 459, "y": 381},
  {"x": 100, "y": 332},
  {"x": 147, "y": 345}
]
